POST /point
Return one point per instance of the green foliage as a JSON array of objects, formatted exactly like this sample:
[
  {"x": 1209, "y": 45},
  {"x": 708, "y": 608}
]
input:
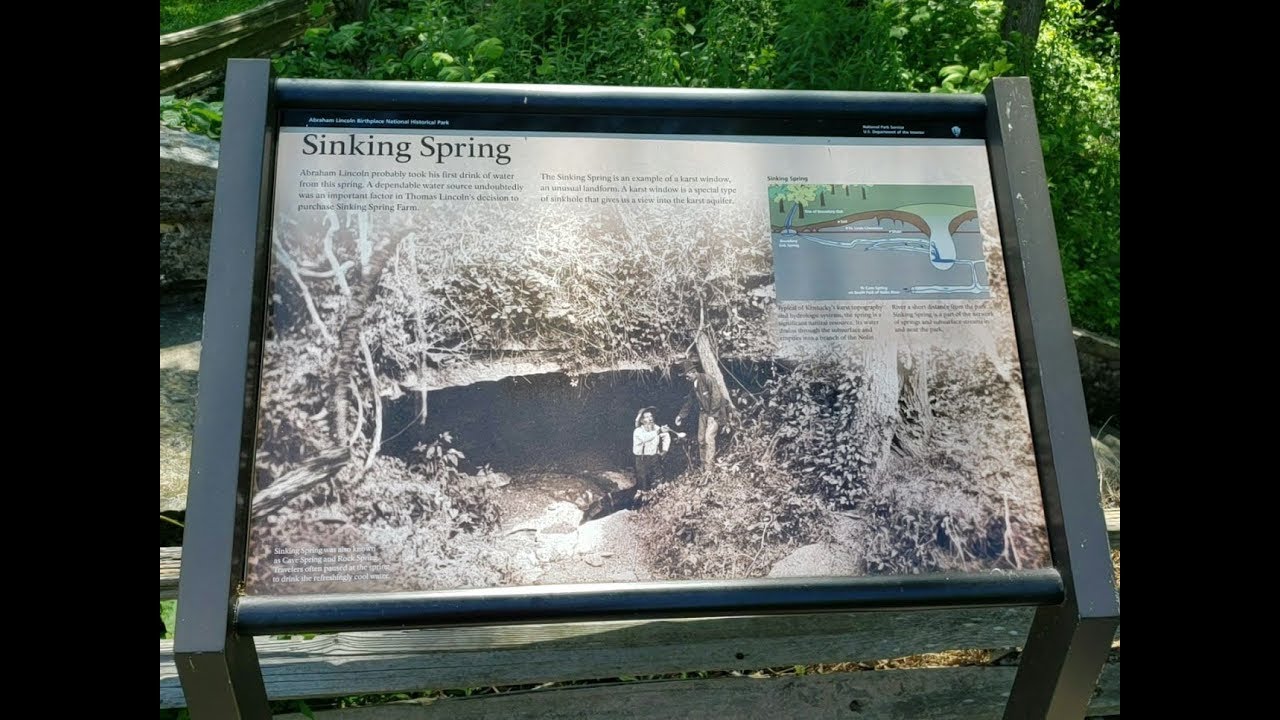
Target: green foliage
[
  {"x": 169, "y": 616},
  {"x": 421, "y": 40},
  {"x": 960, "y": 79},
  {"x": 1076, "y": 80},
  {"x": 469, "y": 59},
  {"x": 940, "y": 37},
  {"x": 808, "y": 44},
  {"x": 178, "y": 15},
  {"x": 194, "y": 116},
  {"x": 818, "y": 49}
]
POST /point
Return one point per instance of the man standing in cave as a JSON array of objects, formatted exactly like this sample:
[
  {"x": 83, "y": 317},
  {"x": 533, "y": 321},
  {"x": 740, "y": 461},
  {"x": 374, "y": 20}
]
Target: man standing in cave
[
  {"x": 649, "y": 443},
  {"x": 713, "y": 411}
]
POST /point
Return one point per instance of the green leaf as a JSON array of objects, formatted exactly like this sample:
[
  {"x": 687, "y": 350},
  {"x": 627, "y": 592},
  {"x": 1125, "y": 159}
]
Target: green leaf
[
  {"x": 443, "y": 58},
  {"x": 453, "y": 73},
  {"x": 207, "y": 113},
  {"x": 490, "y": 49},
  {"x": 897, "y": 32},
  {"x": 690, "y": 29}
]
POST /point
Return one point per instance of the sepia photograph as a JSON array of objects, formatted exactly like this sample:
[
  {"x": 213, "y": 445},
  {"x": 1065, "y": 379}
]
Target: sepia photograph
[{"x": 526, "y": 392}]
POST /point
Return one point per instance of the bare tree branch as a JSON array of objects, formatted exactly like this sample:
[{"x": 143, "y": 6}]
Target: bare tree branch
[
  {"x": 331, "y": 218},
  {"x": 359, "y": 428},
  {"x": 1009, "y": 538},
  {"x": 322, "y": 274},
  {"x": 377, "y": 402},
  {"x": 363, "y": 242},
  {"x": 321, "y": 467},
  {"x": 292, "y": 267}
]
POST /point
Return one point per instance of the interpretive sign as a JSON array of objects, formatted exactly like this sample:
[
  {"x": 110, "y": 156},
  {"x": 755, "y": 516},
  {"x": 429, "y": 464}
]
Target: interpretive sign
[
  {"x": 585, "y": 351},
  {"x": 480, "y": 354}
]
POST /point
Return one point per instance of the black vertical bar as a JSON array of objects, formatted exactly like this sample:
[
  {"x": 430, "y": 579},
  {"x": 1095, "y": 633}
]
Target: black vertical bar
[
  {"x": 1068, "y": 644},
  {"x": 219, "y": 668}
]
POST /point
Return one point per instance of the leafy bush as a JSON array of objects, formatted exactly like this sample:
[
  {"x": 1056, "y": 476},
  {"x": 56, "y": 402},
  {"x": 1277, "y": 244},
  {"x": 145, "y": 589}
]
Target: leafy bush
[
  {"x": 921, "y": 485},
  {"x": 178, "y": 15},
  {"x": 734, "y": 519},
  {"x": 425, "y": 507},
  {"x": 1076, "y": 80},
  {"x": 194, "y": 116},
  {"x": 423, "y": 40},
  {"x": 814, "y": 412}
]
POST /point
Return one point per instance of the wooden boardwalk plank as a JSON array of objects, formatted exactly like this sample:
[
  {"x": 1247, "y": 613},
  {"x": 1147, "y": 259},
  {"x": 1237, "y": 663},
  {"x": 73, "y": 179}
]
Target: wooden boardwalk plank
[
  {"x": 1113, "y": 526},
  {"x": 411, "y": 660},
  {"x": 953, "y": 693},
  {"x": 170, "y": 565}
]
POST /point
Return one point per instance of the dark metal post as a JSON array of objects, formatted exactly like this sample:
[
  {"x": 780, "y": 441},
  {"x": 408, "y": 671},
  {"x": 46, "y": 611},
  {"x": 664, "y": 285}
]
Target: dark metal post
[
  {"x": 219, "y": 668},
  {"x": 1068, "y": 643}
]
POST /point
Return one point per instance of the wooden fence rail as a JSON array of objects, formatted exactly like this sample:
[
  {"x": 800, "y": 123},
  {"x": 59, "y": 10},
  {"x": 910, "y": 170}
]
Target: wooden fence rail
[
  {"x": 196, "y": 58},
  {"x": 342, "y": 664},
  {"x": 952, "y": 693}
]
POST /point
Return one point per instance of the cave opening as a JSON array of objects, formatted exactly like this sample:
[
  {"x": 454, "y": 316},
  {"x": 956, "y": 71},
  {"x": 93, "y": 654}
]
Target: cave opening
[{"x": 556, "y": 422}]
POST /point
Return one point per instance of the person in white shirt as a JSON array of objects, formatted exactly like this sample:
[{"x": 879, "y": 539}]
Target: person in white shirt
[{"x": 648, "y": 443}]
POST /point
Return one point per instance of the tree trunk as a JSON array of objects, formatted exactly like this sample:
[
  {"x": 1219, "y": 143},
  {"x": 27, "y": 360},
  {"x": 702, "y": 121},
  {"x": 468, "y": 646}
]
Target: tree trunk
[
  {"x": 359, "y": 429},
  {"x": 320, "y": 468},
  {"x": 349, "y": 11},
  {"x": 376, "y": 443},
  {"x": 710, "y": 360},
  {"x": 339, "y": 275},
  {"x": 915, "y": 415},
  {"x": 877, "y": 418},
  {"x": 295, "y": 273},
  {"x": 348, "y": 354},
  {"x": 1021, "y": 26}
]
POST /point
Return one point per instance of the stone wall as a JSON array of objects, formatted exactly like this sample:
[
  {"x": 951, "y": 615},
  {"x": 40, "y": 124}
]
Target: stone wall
[
  {"x": 188, "y": 174},
  {"x": 1100, "y": 375}
]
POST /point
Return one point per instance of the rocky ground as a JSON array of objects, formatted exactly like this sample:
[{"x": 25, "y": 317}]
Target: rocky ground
[{"x": 547, "y": 545}]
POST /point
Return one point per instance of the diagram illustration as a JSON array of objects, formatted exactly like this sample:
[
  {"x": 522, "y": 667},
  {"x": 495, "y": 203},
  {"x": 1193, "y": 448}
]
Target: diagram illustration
[{"x": 840, "y": 242}]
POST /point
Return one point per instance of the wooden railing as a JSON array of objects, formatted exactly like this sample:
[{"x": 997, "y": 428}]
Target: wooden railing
[
  {"x": 196, "y": 58},
  {"x": 343, "y": 664}
]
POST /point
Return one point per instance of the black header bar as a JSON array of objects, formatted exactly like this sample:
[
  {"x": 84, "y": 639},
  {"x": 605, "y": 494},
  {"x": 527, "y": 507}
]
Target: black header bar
[{"x": 350, "y": 105}]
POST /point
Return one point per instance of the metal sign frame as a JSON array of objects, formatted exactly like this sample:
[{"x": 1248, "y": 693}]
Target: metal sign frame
[{"x": 1077, "y": 608}]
